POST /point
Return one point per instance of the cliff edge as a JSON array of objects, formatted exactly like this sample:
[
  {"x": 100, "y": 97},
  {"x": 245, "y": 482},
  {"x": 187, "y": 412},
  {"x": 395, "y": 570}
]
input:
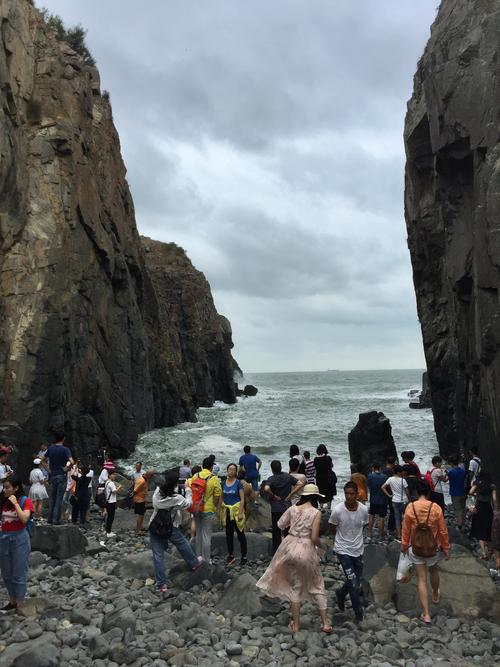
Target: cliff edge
[
  {"x": 452, "y": 204},
  {"x": 92, "y": 340}
]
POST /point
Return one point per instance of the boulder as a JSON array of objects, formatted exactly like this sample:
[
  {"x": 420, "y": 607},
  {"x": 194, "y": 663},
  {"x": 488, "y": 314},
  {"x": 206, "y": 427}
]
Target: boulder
[
  {"x": 184, "y": 579},
  {"x": 259, "y": 516},
  {"x": 243, "y": 597},
  {"x": 477, "y": 599},
  {"x": 58, "y": 541},
  {"x": 123, "y": 618},
  {"x": 371, "y": 440},
  {"x": 250, "y": 390},
  {"x": 135, "y": 566},
  {"x": 259, "y": 546}
]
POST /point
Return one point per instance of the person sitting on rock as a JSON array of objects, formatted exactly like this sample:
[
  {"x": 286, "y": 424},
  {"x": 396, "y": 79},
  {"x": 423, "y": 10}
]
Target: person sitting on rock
[
  {"x": 139, "y": 496},
  {"x": 420, "y": 513},
  {"x": 233, "y": 514},
  {"x": 347, "y": 522},
  {"x": 166, "y": 498},
  {"x": 15, "y": 545},
  {"x": 294, "y": 573}
]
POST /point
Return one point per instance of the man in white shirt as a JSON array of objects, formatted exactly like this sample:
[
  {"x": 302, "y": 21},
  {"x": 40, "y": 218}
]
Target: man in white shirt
[
  {"x": 474, "y": 466},
  {"x": 347, "y": 521},
  {"x": 399, "y": 495}
]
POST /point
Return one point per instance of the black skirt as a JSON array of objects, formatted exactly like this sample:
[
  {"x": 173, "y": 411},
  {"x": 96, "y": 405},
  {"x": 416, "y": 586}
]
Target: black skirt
[{"x": 482, "y": 521}]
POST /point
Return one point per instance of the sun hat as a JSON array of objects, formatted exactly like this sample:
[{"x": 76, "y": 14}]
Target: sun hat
[
  {"x": 37, "y": 461},
  {"x": 311, "y": 490}
]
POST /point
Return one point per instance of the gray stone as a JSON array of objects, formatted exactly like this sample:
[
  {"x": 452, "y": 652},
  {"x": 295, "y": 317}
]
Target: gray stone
[
  {"x": 232, "y": 648},
  {"x": 81, "y": 616},
  {"x": 58, "y": 541},
  {"x": 258, "y": 546},
  {"x": 121, "y": 618},
  {"x": 42, "y": 655},
  {"x": 135, "y": 566}
]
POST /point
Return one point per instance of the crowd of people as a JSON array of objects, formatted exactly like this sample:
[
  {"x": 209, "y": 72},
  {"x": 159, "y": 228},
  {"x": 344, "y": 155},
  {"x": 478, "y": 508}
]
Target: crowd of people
[{"x": 391, "y": 501}]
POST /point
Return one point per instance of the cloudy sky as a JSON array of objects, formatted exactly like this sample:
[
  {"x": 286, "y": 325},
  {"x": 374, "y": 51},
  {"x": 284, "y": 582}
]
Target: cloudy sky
[{"x": 265, "y": 138}]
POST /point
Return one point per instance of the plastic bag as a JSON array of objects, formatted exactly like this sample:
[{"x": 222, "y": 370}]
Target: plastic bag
[{"x": 405, "y": 569}]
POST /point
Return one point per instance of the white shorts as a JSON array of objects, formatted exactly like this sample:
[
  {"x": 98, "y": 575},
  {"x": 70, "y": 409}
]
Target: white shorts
[{"x": 419, "y": 560}]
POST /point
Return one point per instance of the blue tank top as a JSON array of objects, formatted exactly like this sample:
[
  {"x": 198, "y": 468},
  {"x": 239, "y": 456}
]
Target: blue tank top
[{"x": 231, "y": 493}]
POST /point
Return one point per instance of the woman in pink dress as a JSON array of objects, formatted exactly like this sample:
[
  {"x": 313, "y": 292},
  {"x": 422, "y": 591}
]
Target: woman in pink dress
[{"x": 294, "y": 573}]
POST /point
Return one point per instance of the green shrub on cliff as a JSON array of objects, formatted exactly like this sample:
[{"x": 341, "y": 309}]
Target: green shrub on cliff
[{"x": 74, "y": 36}]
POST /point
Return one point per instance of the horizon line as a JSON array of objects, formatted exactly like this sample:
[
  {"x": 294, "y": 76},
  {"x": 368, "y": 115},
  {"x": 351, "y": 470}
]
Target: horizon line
[{"x": 337, "y": 370}]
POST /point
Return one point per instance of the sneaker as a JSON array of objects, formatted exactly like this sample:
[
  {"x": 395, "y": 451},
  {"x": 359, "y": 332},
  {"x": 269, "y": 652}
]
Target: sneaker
[
  {"x": 8, "y": 607},
  {"x": 231, "y": 560},
  {"x": 162, "y": 588},
  {"x": 340, "y": 600},
  {"x": 198, "y": 565},
  {"x": 110, "y": 534}
]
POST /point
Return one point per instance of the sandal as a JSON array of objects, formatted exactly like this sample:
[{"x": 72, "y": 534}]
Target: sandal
[
  {"x": 424, "y": 621},
  {"x": 327, "y": 629},
  {"x": 437, "y": 599}
]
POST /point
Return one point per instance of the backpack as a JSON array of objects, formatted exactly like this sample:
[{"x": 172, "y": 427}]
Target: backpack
[
  {"x": 100, "y": 496},
  {"x": 423, "y": 542},
  {"x": 162, "y": 524},
  {"x": 198, "y": 490},
  {"x": 30, "y": 524},
  {"x": 428, "y": 479}
]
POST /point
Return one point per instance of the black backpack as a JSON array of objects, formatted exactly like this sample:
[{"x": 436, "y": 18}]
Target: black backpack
[{"x": 162, "y": 524}]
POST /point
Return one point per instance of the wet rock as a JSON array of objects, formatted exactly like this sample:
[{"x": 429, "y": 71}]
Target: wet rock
[
  {"x": 58, "y": 541},
  {"x": 371, "y": 440}
]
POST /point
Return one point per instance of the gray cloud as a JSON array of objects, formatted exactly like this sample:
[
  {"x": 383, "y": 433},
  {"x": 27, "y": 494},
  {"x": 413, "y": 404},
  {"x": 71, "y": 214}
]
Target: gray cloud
[{"x": 266, "y": 139}]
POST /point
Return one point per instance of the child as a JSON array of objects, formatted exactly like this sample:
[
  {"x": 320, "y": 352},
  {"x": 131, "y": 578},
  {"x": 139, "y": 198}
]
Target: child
[{"x": 38, "y": 492}]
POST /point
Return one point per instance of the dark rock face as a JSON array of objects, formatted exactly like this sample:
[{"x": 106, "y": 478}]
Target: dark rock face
[
  {"x": 91, "y": 340},
  {"x": 371, "y": 440},
  {"x": 58, "y": 541},
  {"x": 452, "y": 211},
  {"x": 250, "y": 390},
  {"x": 424, "y": 398}
]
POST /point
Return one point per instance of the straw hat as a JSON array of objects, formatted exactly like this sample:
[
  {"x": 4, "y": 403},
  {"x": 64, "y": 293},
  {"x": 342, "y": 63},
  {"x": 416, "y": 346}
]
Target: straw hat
[{"x": 311, "y": 490}]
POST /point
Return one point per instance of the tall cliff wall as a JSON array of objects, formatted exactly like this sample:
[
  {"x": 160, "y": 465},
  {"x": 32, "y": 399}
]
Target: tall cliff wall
[
  {"x": 452, "y": 205},
  {"x": 89, "y": 340}
]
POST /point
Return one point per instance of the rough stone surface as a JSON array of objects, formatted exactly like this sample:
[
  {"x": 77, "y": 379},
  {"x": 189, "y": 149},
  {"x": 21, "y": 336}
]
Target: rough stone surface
[
  {"x": 371, "y": 440},
  {"x": 58, "y": 541},
  {"x": 452, "y": 207},
  {"x": 92, "y": 339}
]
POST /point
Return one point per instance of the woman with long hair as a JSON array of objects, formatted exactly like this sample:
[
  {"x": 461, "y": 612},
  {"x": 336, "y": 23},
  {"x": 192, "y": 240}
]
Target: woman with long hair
[
  {"x": 326, "y": 479},
  {"x": 482, "y": 511},
  {"x": 166, "y": 498},
  {"x": 295, "y": 454},
  {"x": 233, "y": 514},
  {"x": 15, "y": 545},
  {"x": 294, "y": 573}
]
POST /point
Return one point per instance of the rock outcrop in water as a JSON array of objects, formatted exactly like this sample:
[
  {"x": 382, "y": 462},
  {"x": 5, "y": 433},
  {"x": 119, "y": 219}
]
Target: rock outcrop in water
[
  {"x": 452, "y": 206},
  {"x": 97, "y": 336},
  {"x": 371, "y": 441}
]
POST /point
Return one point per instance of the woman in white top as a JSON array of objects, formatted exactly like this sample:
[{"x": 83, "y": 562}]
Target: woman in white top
[{"x": 38, "y": 492}]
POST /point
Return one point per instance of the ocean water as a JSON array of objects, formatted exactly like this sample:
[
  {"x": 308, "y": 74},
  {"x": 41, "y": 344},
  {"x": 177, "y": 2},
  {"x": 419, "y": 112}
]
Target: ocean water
[{"x": 295, "y": 408}]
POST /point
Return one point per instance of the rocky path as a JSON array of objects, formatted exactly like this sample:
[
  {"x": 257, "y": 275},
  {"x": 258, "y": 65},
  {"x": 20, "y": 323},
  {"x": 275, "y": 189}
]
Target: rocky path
[{"x": 100, "y": 608}]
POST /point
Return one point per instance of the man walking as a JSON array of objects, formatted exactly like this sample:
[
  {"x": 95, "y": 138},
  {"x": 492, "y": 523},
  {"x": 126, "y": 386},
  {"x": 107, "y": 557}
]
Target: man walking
[
  {"x": 279, "y": 488},
  {"x": 346, "y": 523},
  {"x": 206, "y": 492},
  {"x": 457, "y": 478},
  {"x": 58, "y": 457}
]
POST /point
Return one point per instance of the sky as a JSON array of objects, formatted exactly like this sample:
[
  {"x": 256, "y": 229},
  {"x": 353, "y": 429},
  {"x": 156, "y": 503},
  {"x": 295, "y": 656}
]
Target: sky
[{"x": 265, "y": 138}]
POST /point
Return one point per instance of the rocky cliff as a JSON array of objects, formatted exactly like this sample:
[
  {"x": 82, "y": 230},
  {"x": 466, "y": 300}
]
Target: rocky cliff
[
  {"x": 452, "y": 205},
  {"x": 91, "y": 339}
]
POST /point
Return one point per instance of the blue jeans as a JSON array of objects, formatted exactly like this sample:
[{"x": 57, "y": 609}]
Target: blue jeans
[
  {"x": 160, "y": 544},
  {"x": 15, "y": 551},
  {"x": 353, "y": 570},
  {"x": 399, "y": 510},
  {"x": 58, "y": 487}
]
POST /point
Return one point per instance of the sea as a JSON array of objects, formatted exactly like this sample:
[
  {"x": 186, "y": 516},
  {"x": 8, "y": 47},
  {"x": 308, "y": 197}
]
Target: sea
[{"x": 306, "y": 409}]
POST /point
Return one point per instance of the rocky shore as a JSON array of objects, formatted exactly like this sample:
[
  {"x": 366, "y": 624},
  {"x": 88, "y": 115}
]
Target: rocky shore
[{"x": 93, "y": 603}]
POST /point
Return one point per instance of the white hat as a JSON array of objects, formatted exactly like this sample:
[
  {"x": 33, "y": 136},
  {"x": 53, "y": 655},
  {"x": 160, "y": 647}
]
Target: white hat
[
  {"x": 311, "y": 490},
  {"x": 37, "y": 461}
]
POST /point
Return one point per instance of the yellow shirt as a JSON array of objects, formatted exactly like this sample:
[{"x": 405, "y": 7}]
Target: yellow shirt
[{"x": 213, "y": 490}]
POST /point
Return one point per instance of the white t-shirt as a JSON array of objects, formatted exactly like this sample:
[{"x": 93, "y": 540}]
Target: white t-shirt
[
  {"x": 398, "y": 486},
  {"x": 103, "y": 477},
  {"x": 474, "y": 466},
  {"x": 435, "y": 475},
  {"x": 349, "y": 535},
  {"x": 110, "y": 491}
]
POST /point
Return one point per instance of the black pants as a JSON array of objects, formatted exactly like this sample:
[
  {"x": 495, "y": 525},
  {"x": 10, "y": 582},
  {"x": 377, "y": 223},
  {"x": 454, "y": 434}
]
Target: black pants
[
  {"x": 439, "y": 499},
  {"x": 81, "y": 507},
  {"x": 110, "y": 516},
  {"x": 230, "y": 528},
  {"x": 275, "y": 517}
]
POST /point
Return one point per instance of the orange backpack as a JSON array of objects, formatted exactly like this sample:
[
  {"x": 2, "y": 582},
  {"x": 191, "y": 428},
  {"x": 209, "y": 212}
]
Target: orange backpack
[{"x": 198, "y": 491}]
